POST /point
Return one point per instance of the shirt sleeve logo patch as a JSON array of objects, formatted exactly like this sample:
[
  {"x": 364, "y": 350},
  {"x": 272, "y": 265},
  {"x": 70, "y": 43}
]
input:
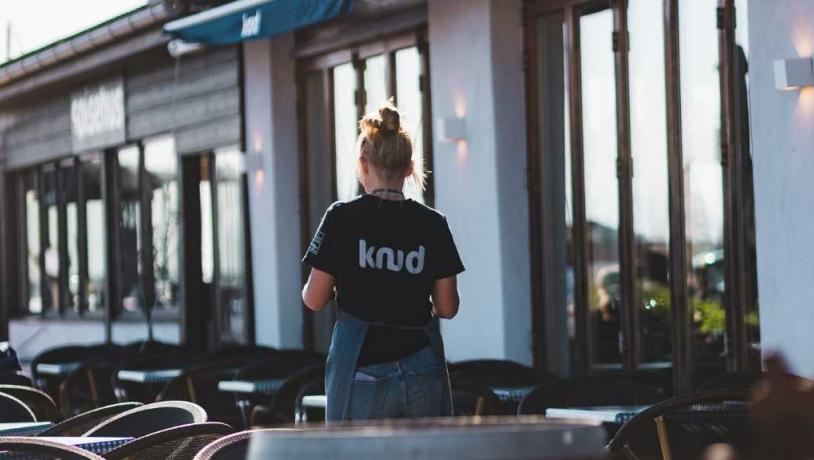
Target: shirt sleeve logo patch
[{"x": 316, "y": 243}]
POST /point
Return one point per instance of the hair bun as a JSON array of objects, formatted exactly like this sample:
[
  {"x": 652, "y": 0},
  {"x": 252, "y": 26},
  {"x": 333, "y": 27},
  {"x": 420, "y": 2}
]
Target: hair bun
[{"x": 390, "y": 118}]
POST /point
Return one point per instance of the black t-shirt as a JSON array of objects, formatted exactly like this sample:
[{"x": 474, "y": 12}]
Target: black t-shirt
[{"x": 385, "y": 256}]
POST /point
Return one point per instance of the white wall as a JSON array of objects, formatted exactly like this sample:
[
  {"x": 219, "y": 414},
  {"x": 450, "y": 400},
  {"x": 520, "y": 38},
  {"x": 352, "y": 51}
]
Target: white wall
[
  {"x": 783, "y": 153},
  {"x": 271, "y": 131},
  {"x": 480, "y": 183}
]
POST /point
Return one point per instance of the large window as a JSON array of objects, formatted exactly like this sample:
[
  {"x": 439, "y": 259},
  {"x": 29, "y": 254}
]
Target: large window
[
  {"x": 631, "y": 206},
  {"x": 62, "y": 225}
]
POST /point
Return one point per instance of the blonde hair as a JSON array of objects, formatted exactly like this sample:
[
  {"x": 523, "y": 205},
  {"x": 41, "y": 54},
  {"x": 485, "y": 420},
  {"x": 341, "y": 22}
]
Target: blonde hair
[{"x": 385, "y": 143}]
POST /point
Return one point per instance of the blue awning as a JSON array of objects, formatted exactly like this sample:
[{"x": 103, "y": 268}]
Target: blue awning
[{"x": 248, "y": 19}]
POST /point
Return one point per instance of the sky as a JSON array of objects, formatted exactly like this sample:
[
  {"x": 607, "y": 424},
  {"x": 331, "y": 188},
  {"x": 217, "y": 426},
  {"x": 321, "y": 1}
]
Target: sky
[{"x": 36, "y": 23}]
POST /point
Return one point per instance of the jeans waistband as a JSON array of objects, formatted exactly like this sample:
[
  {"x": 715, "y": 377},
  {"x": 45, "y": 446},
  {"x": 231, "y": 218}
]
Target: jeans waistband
[{"x": 422, "y": 360}]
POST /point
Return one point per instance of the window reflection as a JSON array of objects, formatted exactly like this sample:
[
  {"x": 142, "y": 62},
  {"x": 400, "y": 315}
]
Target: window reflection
[
  {"x": 409, "y": 98},
  {"x": 651, "y": 223},
  {"x": 161, "y": 167},
  {"x": 51, "y": 249},
  {"x": 34, "y": 302},
  {"x": 601, "y": 193},
  {"x": 130, "y": 237},
  {"x": 91, "y": 183},
  {"x": 375, "y": 82},
  {"x": 230, "y": 243},
  {"x": 345, "y": 131},
  {"x": 703, "y": 187}
]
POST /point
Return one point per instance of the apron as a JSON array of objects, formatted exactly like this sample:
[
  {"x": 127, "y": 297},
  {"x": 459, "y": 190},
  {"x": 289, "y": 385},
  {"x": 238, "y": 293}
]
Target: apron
[{"x": 346, "y": 344}]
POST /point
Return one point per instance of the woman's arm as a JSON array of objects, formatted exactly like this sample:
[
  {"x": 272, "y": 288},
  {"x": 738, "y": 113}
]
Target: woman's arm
[
  {"x": 318, "y": 290},
  {"x": 445, "y": 298}
]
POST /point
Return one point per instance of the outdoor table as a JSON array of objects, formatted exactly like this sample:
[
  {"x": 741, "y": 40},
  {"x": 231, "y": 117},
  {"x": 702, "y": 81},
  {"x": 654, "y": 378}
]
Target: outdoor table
[
  {"x": 58, "y": 368},
  {"x": 526, "y": 437},
  {"x": 149, "y": 375},
  {"x": 604, "y": 414},
  {"x": 267, "y": 387},
  {"x": 512, "y": 394},
  {"x": 97, "y": 445},
  {"x": 24, "y": 429},
  {"x": 315, "y": 401}
]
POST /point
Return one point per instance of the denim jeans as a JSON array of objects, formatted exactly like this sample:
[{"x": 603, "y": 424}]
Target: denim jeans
[{"x": 411, "y": 387}]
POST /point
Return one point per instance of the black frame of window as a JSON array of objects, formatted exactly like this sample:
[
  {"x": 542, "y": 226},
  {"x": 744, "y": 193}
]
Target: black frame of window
[{"x": 739, "y": 296}]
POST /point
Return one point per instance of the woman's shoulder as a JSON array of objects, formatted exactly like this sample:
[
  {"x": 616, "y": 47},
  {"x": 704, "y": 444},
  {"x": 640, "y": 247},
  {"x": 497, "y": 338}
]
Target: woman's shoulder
[{"x": 429, "y": 212}]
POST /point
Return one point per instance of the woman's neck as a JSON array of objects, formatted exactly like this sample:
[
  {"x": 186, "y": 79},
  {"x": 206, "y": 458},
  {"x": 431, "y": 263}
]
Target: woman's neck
[{"x": 386, "y": 191}]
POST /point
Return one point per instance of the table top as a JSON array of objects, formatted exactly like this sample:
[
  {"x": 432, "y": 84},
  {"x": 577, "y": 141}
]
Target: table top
[
  {"x": 97, "y": 445},
  {"x": 460, "y": 437},
  {"x": 58, "y": 368},
  {"x": 267, "y": 386},
  {"x": 23, "y": 429},
  {"x": 605, "y": 414},
  {"x": 316, "y": 401},
  {"x": 149, "y": 375}
]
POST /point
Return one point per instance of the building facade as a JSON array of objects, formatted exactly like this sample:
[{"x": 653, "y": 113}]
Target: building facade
[{"x": 599, "y": 186}]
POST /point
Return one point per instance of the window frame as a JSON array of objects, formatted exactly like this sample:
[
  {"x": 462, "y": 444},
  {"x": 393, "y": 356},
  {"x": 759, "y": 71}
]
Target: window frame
[{"x": 737, "y": 280}]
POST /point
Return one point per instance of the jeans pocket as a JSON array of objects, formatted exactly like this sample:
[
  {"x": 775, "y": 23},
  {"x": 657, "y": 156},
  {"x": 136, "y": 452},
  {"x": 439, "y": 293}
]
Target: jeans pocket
[
  {"x": 367, "y": 398},
  {"x": 425, "y": 399}
]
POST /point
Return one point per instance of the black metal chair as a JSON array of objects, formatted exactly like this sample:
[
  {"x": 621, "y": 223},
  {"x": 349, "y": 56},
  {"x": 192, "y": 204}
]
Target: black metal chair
[
  {"x": 80, "y": 424},
  {"x": 199, "y": 383},
  {"x": 149, "y": 419},
  {"x": 232, "y": 447},
  {"x": 176, "y": 443},
  {"x": 13, "y": 410},
  {"x": 89, "y": 387},
  {"x": 682, "y": 427},
  {"x": 60, "y": 355},
  {"x": 14, "y": 378},
  {"x": 38, "y": 401},
  {"x": 42, "y": 448},
  {"x": 732, "y": 381},
  {"x": 280, "y": 365},
  {"x": 284, "y": 404},
  {"x": 606, "y": 390},
  {"x": 496, "y": 373}
]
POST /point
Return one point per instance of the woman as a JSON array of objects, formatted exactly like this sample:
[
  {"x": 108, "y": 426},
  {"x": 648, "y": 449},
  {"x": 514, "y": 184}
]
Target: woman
[{"x": 384, "y": 257}]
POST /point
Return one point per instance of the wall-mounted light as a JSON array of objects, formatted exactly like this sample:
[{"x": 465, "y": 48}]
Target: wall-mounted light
[
  {"x": 791, "y": 74},
  {"x": 450, "y": 129}
]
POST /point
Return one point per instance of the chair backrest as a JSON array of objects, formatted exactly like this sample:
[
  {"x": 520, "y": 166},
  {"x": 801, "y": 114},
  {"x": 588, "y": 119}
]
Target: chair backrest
[
  {"x": 39, "y": 402},
  {"x": 13, "y": 410},
  {"x": 732, "y": 381},
  {"x": 232, "y": 447},
  {"x": 14, "y": 378},
  {"x": 492, "y": 372},
  {"x": 587, "y": 391},
  {"x": 150, "y": 418},
  {"x": 685, "y": 425},
  {"x": 176, "y": 443},
  {"x": 284, "y": 404},
  {"x": 41, "y": 448},
  {"x": 200, "y": 386},
  {"x": 80, "y": 424},
  {"x": 281, "y": 364}
]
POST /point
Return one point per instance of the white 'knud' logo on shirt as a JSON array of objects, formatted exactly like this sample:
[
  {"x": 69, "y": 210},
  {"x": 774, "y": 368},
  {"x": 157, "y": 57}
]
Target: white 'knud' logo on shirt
[{"x": 373, "y": 257}]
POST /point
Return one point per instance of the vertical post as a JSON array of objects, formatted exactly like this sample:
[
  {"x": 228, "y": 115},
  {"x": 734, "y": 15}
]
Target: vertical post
[
  {"x": 82, "y": 235},
  {"x": 627, "y": 256},
  {"x": 426, "y": 108},
  {"x": 580, "y": 236},
  {"x": 682, "y": 313},
  {"x": 735, "y": 295},
  {"x": 112, "y": 199}
]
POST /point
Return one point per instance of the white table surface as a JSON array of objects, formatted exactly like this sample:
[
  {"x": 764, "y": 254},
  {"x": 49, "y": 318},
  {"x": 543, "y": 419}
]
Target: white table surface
[
  {"x": 146, "y": 376},
  {"x": 317, "y": 401},
  {"x": 24, "y": 428},
  {"x": 57, "y": 368},
  {"x": 251, "y": 386},
  {"x": 606, "y": 414},
  {"x": 512, "y": 393}
]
